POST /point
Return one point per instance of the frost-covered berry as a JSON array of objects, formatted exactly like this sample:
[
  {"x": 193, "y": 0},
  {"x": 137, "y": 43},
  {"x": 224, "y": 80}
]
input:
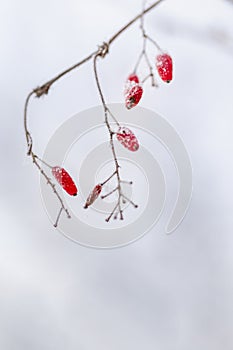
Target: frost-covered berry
[
  {"x": 93, "y": 195},
  {"x": 133, "y": 77},
  {"x": 164, "y": 67},
  {"x": 127, "y": 138},
  {"x": 133, "y": 96},
  {"x": 65, "y": 180}
]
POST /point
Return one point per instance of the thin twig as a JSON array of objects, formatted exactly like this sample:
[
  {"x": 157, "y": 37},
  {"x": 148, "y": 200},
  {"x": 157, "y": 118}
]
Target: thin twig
[
  {"x": 109, "y": 178},
  {"x": 114, "y": 37},
  {"x": 152, "y": 41},
  {"x": 34, "y": 158},
  {"x": 114, "y": 210},
  {"x": 143, "y": 53},
  {"x": 127, "y": 182},
  {"x": 58, "y": 217},
  {"x": 131, "y": 202},
  {"x": 44, "y": 89},
  {"x": 43, "y": 162},
  {"x": 109, "y": 129},
  {"x": 138, "y": 62},
  {"x": 153, "y": 82},
  {"x": 114, "y": 118},
  {"x": 109, "y": 194}
]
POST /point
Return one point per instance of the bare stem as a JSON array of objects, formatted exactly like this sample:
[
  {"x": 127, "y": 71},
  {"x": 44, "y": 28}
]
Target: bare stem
[
  {"x": 110, "y": 131},
  {"x": 58, "y": 217},
  {"x": 43, "y": 162},
  {"x": 127, "y": 182},
  {"x": 109, "y": 194},
  {"x": 138, "y": 62},
  {"x": 131, "y": 202},
  {"x": 144, "y": 50},
  {"x": 153, "y": 82},
  {"x": 108, "y": 179},
  {"x": 153, "y": 42},
  {"x": 123, "y": 29}
]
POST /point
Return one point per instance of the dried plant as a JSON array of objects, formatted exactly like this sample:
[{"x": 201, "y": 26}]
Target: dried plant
[{"x": 133, "y": 94}]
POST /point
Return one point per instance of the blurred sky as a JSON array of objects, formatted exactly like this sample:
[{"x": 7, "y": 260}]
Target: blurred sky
[{"x": 162, "y": 292}]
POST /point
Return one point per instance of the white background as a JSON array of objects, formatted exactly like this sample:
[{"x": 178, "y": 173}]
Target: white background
[{"x": 163, "y": 292}]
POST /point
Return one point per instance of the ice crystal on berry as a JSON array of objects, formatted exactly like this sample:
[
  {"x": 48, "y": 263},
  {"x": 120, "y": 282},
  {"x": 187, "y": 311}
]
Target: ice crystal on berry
[
  {"x": 65, "y": 180},
  {"x": 127, "y": 138},
  {"x": 164, "y": 67},
  {"x": 133, "y": 96}
]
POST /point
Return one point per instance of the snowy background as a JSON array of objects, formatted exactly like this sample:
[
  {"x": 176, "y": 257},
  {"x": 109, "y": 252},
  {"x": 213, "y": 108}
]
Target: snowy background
[{"x": 162, "y": 292}]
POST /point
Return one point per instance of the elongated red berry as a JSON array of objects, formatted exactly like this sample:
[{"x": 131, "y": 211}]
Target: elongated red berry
[
  {"x": 65, "y": 180},
  {"x": 133, "y": 77},
  {"x": 127, "y": 138},
  {"x": 133, "y": 96},
  {"x": 164, "y": 66},
  {"x": 93, "y": 195}
]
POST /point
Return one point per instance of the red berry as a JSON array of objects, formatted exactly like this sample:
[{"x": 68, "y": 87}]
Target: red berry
[
  {"x": 65, "y": 180},
  {"x": 127, "y": 138},
  {"x": 133, "y": 77},
  {"x": 93, "y": 195},
  {"x": 164, "y": 67},
  {"x": 133, "y": 96}
]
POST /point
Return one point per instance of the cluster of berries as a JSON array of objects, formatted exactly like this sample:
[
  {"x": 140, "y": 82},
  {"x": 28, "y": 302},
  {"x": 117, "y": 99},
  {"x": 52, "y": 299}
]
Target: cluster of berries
[
  {"x": 125, "y": 136},
  {"x": 134, "y": 90},
  {"x": 133, "y": 94},
  {"x": 68, "y": 185}
]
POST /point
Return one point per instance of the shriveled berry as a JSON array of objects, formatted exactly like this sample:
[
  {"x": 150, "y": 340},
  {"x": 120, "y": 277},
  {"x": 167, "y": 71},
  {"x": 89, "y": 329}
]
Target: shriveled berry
[
  {"x": 65, "y": 180},
  {"x": 133, "y": 96},
  {"x": 93, "y": 195},
  {"x": 127, "y": 138},
  {"x": 164, "y": 66},
  {"x": 133, "y": 77}
]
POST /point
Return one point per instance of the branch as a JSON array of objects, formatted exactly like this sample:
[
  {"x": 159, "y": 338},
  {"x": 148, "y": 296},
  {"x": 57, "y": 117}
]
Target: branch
[
  {"x": 114, "y": 37},
  {"x": 44, "y": 89}
]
